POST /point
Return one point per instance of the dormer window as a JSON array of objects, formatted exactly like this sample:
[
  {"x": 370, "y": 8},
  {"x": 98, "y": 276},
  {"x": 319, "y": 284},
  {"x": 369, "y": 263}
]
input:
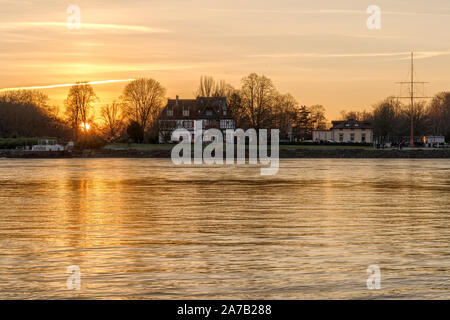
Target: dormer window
[
  {"x": 170, "y": 112},
  {"x": 185, "y": 112},
  {"x": 209, "y": 112}
]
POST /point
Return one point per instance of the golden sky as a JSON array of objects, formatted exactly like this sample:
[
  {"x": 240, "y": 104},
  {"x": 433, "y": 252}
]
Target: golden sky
[{"x": 320, "y": 51}]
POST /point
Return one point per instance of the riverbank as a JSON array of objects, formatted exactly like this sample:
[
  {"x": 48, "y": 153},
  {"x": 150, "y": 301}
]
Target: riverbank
[{"x": 285, "y": 153}]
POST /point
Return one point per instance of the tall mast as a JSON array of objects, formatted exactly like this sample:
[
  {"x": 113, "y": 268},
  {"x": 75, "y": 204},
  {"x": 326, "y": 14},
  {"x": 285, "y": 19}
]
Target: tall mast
[
  {"x": 412, "y": 97},
  {"x": 411, "y": 141}
]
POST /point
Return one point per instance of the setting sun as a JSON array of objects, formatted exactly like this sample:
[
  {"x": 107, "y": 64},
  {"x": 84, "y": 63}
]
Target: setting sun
[{"x": 85, "y": 126}]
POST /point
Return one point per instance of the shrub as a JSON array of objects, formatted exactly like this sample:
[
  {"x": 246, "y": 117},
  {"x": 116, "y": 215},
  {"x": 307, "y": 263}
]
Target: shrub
[
  {"x": 89, "y": 142},
  {"x": 13, "y": 143}
]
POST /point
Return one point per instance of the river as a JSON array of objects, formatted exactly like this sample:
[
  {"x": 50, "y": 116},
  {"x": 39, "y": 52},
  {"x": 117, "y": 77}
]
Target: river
[{"x": 146, "y": 229}]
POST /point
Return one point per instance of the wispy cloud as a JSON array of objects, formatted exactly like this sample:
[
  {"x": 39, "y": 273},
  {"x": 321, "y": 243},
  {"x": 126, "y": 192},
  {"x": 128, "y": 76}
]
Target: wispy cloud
[
  {"x": 65, "y": 85},
  {"x": 328, "y": 12},
  {"x": 402, "y": 55},
  {"x": 84, "y": 26},
  {"x": 96, "y": 68}
]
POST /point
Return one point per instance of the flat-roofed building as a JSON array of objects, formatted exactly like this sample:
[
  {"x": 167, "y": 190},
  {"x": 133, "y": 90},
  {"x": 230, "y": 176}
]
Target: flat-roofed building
[{"x": 350, "y": 130}]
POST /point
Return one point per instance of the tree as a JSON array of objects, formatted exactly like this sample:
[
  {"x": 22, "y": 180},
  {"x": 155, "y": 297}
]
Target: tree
[
  {"x": 78, "y": 104},
  {"x": 439, "y": 114},
  {"x": 420, "y": 118},
  {"x": 386, "y": 119},
  {"x": 135, "y": 132},
  {"x": 143, "y": 101},
  {"x": 206, "y": 87},
  {"x": 318, "y": 118},
  {"x": 112, "y": 120},
  {"x": 257, "y": 96},
  {"x": 27, "y": 114},
  {"x": 356, "y": 115},
  {"x": 234, "y": 104},
  {"x": 304, "y": 123},
  {"x": 31, "y": 97},
  {"x": 284, "y": 114}
]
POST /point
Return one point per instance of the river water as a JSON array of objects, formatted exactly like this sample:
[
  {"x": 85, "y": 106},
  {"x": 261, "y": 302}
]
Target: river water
[{"x": 145, "y": 229}]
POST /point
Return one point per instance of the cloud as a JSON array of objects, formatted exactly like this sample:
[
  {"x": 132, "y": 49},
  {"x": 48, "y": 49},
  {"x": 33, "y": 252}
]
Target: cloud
[
  {"x": 329, "y": 11},
  {"x": 66, "y": 85},
  {"x": 84, "y": 26},
  {"x": 418, "y": 55},
  {"x": 96, "y": 68}
]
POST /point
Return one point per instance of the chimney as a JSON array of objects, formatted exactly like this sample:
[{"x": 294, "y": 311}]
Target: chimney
[{"x": 177, "y": 100}]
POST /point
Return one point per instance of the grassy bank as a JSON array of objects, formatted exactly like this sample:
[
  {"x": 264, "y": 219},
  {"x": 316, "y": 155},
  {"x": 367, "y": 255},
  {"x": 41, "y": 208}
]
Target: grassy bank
[{"x": 152, "y": 147}]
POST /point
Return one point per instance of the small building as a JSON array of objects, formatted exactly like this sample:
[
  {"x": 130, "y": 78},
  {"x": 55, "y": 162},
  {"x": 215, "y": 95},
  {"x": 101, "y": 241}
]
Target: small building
[
  {"x": 431, "y": 141},
  {"x": 181, "y": 114},
  {"x": 350, "y": 131},
  {"x": 49, "y": 144}
]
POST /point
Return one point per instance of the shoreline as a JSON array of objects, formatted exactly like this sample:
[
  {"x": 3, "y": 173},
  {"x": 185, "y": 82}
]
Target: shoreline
[{"x": 284, "y": 154}]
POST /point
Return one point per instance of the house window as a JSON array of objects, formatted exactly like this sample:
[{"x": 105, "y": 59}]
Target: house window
[
  {"x": 186, "y": 113},
  {"x": 363, "y": 137},
  {"x": 169, "y": 112},
  {"x": 341, "y": 137},
  {"x": 209, "y": 112},
  {"x": 352, "y": 137}
]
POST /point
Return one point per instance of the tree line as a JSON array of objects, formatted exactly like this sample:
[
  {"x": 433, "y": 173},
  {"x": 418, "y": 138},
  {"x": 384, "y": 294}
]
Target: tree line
[
  {"x": 256, "y": 103},
  {"x": 391, "y": 118}
]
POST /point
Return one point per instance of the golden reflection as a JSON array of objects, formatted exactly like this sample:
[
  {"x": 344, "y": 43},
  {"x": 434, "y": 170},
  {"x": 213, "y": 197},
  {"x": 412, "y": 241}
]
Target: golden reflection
[{"x": 142, "y": 228}]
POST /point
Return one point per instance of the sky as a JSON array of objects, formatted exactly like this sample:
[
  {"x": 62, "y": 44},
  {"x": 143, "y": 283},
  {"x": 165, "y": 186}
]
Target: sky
[{"x": 321, "y": 52}]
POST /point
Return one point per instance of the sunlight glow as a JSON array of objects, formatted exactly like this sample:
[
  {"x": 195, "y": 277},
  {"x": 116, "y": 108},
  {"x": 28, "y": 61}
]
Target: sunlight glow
[{"x": 85, "y": 126}]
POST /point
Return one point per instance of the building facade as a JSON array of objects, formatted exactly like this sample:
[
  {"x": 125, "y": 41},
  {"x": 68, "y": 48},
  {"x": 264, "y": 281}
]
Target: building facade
[
  {"x": 181, "y": 114},
  {"x": 352, "y": 131}
]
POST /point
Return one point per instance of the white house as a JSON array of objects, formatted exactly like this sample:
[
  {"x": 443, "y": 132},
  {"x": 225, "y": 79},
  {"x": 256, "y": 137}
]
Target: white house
[
  {"x": 181, "y": 113},
  {"x": 346, "y": 131}
]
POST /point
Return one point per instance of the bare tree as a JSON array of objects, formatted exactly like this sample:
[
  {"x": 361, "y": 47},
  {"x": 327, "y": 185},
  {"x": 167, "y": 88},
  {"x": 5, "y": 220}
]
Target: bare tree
[
  {"x": 26, "y": 113},
  {"x": 439, "y": 114},
  {"x": 386, "y": 119},
  {"x": 318, "y": 119},
  {"x": 284, "y": 113},
  {"x": 356, "y": 115},
  {"x": 223, "y": 89},
  {"x": 420, "y": 118},
  {"x": 257, "y": 95},
  {"x": 112, "y": 117},
  {"x": 78, "y": 106},
  {"x": 206, "y": 87},
  {"x": 144, "y": 99}
]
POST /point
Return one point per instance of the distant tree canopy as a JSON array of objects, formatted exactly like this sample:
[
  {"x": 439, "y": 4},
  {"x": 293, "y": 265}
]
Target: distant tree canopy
[
  {"x": 391, "y": 119},
  {"x": 258, "y": 104},
  {"x": 439, "y": 114},
  {"x": 27, "y": 114}
]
